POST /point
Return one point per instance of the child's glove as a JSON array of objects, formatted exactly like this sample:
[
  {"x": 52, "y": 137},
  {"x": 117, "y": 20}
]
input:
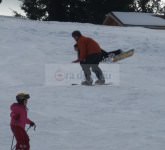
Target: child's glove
[{"x": 32, "y": 124}]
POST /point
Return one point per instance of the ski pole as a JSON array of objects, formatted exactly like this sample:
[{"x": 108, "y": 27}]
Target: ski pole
[
  {"x": 28, "y": 128},
  {"x": 13, "y": 148}
]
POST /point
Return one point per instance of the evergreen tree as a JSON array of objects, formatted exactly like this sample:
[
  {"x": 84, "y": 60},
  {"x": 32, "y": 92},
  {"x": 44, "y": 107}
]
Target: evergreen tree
[
  {"x": 92, "y": 11},
  {"x": 143, "y": 5},
  {"x": 56, "y": 9},
  {"x": 163, "y": 10},
  {"x": 0, "y": 1},
  {"x": 34, "y": 9},
  {"x": 156, "y": 6},
  {"x": 148, "y": 6},
  {"x": 77, "y": 11},
  {"x": 99, "y": 8}
]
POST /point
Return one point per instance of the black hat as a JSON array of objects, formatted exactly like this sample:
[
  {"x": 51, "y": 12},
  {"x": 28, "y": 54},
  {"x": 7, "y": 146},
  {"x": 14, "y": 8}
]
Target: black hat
[
  {"x": 20, "y": 97},
  {"x": 76, "y": 33}
]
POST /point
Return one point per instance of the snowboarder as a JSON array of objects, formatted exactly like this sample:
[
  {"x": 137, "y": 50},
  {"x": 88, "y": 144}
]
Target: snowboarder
[
  {"x": 19, "y": 120},
  {"x": 89, "y": 57}
]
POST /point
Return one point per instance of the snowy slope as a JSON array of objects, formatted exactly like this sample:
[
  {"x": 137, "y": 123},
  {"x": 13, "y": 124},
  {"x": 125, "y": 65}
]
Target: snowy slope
[{"x": 125, "y": 117}]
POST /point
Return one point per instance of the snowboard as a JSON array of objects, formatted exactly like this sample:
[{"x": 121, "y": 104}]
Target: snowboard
[
  {"x": 76, "y": 84},
  {"x": 123, "y": 55},
  {"x": 107, "y": 56}
]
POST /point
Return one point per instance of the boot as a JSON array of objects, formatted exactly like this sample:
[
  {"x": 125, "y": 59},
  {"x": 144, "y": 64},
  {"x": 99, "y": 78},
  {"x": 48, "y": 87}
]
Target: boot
[
  {"x": 87, "y": 82},
  {"x": 100, "y": 82}
]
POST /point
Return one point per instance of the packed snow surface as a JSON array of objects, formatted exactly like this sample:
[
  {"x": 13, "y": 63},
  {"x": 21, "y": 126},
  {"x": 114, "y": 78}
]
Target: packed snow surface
[{"x": 130, "y": 116}]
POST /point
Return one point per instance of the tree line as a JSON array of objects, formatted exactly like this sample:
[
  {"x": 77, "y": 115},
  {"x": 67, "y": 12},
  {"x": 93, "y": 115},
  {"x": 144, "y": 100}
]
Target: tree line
[{"x": 91, "y": 11}]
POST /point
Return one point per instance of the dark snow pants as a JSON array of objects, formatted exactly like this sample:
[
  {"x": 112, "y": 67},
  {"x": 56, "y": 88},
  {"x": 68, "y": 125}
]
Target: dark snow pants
[{"x": 92, "y": 61}]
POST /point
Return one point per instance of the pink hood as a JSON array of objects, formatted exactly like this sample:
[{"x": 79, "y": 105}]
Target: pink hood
[{"x": 19, "y": 115}]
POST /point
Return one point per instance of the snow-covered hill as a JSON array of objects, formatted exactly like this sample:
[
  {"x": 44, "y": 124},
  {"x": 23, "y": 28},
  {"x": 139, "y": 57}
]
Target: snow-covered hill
[{"x": 125, "y": 117}]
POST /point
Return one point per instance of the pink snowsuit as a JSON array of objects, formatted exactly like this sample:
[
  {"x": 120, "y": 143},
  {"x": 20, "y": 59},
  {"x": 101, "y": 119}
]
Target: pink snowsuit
[{"x": 18, "y": 122}]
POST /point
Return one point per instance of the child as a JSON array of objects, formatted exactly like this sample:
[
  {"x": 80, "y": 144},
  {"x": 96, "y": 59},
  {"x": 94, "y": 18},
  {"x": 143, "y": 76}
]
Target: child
[{"x": 19, "y": 120}]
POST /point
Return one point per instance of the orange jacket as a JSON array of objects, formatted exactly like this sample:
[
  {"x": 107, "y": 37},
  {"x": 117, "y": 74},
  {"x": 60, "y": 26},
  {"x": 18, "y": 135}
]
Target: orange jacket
[{"x": 87, "y": 46}]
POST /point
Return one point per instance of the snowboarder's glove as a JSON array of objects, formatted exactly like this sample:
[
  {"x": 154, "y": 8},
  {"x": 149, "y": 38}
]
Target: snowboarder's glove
[{"x": 76, "y": 61}]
